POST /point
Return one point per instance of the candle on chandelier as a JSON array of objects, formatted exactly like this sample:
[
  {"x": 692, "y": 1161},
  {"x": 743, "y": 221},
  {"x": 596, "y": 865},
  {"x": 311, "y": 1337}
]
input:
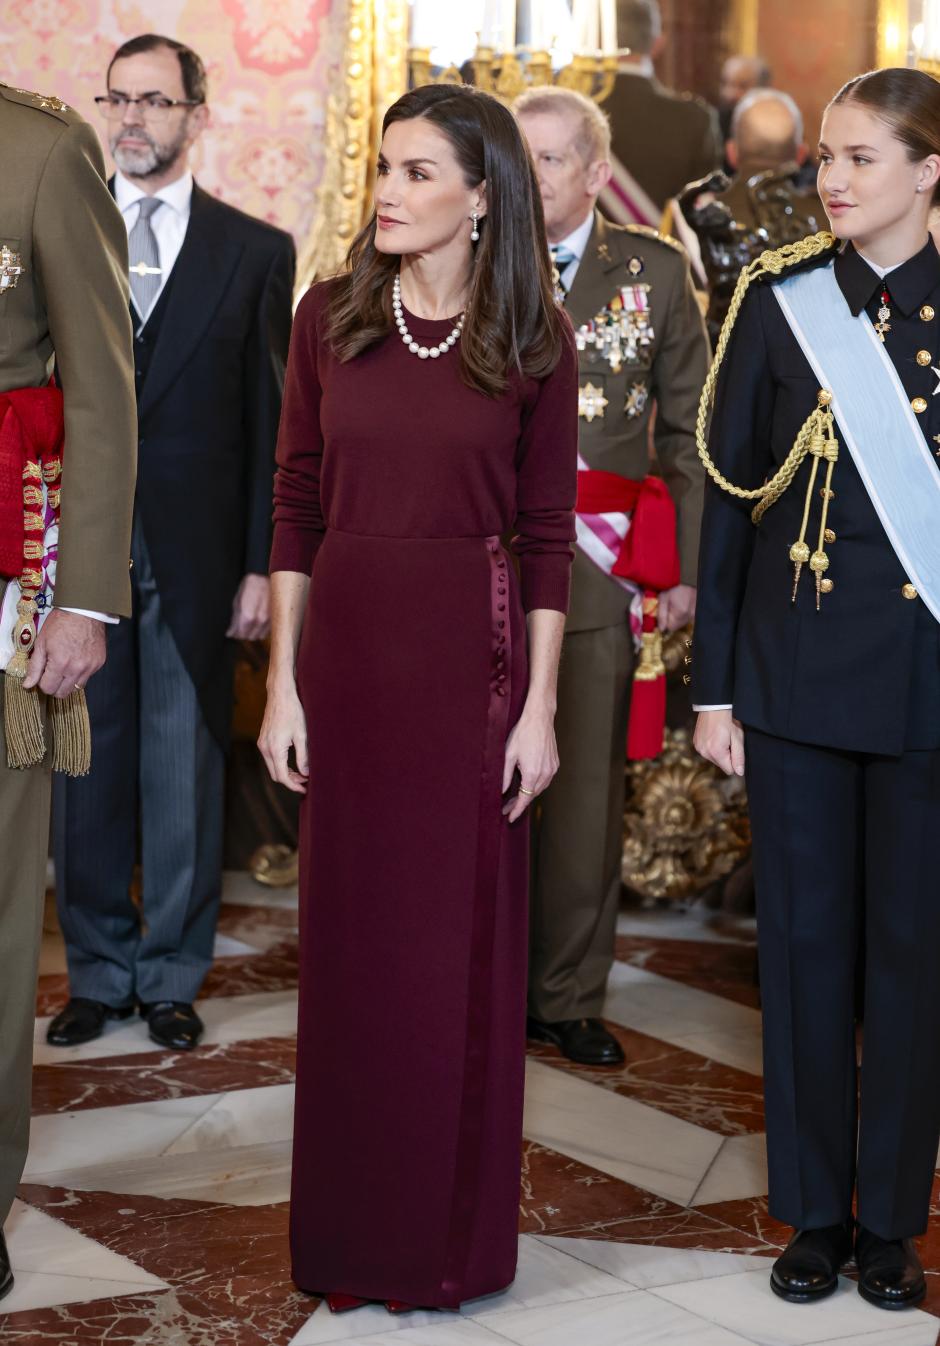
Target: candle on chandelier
[
  {"x": 499, "y": 25},
  {"x": 609, "y": 27},
  {"x": 584, "y": 24}
]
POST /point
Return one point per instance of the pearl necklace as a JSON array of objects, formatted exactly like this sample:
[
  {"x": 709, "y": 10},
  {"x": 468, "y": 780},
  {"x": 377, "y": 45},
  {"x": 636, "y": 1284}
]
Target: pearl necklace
[{"x": 423, "y": 352}]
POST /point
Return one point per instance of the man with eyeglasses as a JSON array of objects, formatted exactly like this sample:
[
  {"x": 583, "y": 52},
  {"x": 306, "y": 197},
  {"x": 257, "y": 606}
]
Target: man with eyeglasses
[
  {"x": 67, "y": 457},
  {"x": 211, "y": 309}
]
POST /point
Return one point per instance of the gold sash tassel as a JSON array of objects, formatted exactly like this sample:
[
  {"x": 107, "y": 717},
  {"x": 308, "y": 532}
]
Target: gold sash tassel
[{"x": 23, "y": 718}]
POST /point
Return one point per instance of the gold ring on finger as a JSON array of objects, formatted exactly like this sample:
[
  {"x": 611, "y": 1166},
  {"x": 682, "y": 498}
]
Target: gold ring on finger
[{"x": 524, "y": 791}]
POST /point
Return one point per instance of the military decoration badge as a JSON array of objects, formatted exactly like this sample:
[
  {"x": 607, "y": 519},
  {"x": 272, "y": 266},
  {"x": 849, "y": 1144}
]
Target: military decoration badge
[
  {"x": 623, "y": 329},
  {"x": 11, "y": 268}
]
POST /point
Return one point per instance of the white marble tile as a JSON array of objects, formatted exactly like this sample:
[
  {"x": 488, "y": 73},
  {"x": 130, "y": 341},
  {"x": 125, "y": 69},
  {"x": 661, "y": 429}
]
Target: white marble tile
[
  {"x": 379, "y": 1328},
  {"x": 646, "y": 1266},
  {"x": 545, "y": 1275},
  {"x": 740, "y": 1048},
  {"x": 739, "y": 1171},
  {"x": 619, "y": 1136},
  {"x": 241, "y": 889},
  {"x": 251, "y": 1175},
  {"x": 71, "y": 1141},
  {"x": 679, "y": 1014},
  {"x": 634, "y": 1318},
  {"x": 697, "y": 923},
  {"x": 240, "y": 1117},
  {"x": 53, "y": 1264},
  {"x": 226, "y": 947},
  {"x": 745, "y": 1304},
  {"x": 263, "y": 1014}
]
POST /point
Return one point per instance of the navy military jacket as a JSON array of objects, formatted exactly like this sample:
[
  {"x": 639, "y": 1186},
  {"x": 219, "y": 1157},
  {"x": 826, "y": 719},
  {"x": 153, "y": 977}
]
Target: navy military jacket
[{"x": 863, "y": 672}]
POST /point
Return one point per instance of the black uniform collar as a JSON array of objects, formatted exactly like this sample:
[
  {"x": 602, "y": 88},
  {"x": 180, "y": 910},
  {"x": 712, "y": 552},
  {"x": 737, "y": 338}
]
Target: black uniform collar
[{"x": 909, "y": 285}]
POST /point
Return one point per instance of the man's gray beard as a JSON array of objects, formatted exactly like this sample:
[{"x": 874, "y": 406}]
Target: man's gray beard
[{"x": 154, "y": 159}]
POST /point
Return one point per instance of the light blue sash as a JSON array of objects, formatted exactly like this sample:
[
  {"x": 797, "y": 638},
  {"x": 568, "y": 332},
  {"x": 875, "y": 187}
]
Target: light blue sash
[{"x": 875, "y": 420}]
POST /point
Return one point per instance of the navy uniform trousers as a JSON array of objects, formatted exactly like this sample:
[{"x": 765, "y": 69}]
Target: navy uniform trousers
[
  {"x": 844, "y": 843},
  {"x": 153, "y": 758}
]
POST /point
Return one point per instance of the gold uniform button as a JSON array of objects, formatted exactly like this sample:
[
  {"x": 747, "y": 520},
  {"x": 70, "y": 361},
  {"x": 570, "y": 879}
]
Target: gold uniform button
[
  {"x": 686, "y": 678},
  {"x": 924, "y": 358},
  {"x": 928, "y": 313},
  {"x": 827, "y": 495},
  {"x": 826, "y": 586},
  {"x": 829, "y": 535},
  {"x": 908, "y": 591},
  {"x": 919, "y": 404}
]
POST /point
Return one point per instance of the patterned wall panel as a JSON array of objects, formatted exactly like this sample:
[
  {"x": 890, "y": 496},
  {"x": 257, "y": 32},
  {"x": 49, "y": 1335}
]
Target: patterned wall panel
[{"x": 270, "y": 64}]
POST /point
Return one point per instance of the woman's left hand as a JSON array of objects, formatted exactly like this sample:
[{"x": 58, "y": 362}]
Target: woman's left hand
[{"x": 531, "y": 748}]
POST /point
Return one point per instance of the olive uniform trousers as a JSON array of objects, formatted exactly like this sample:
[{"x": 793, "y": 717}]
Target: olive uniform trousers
[
  {"x": 578, "y": 829},
  {"x": 24, "y": 844}
]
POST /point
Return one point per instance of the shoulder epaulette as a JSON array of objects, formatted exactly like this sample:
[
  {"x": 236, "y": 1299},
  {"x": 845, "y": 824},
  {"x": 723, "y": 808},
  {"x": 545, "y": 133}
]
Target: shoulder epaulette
[
  {"x": 647, "y": 231},
  {"x": 774, "y": 261},
  {"x": 41, "y": 102}
]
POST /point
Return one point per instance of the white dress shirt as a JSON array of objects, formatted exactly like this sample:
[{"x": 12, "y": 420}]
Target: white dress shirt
[
  {"x": 169, "y": 225},
  {"x": 576, "y": 242},
  {"x": 881, "y": 271}
]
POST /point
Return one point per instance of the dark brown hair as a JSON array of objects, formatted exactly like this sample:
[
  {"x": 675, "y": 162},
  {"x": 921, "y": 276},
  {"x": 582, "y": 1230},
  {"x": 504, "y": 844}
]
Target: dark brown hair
[
  {"x": 191, "y": 67},
  {"x": 908, "y": 101},
  {"x": 512, "y": 322}
]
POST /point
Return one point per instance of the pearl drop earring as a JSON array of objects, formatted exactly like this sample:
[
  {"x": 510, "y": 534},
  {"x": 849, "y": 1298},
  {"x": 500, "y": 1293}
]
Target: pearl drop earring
[{"x": 475, "y": 231}]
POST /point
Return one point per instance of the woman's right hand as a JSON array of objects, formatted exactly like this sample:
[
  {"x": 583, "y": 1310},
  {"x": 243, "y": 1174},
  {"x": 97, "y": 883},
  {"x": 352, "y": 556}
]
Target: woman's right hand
[
  {"x": 720, "y": 739},
  {"x": 285, "y": 727}
]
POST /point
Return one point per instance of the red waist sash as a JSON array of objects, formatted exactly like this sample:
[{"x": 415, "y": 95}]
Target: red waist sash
[
  {"x": 649, "y": 558},
  {"x": 31, "y": 435}
]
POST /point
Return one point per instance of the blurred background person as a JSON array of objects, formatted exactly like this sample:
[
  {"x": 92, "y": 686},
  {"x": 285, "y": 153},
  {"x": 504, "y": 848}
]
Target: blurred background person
[
  {"x": 660, "y": 140},
  {"x": 725, "y": 222},
  {"x": 641, "y": 346},
  {"x": 211, "y": 310},
  {"x": 739, "y": 75}
]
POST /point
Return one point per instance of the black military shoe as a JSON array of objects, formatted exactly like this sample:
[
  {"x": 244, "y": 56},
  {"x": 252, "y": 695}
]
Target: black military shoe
[
  {"x": 808, "y": 1269},
  {"x": 586, "y": 1041},
  {"x": 6, "y": 1273},
  {"x": 889, "y": 1271},
  {"x": 82, "y": 1021},
  {"x": 173, "y": 1024}
]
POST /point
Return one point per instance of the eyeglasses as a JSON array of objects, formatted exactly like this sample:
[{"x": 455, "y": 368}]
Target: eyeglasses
[{"x": 153, "y": 107}]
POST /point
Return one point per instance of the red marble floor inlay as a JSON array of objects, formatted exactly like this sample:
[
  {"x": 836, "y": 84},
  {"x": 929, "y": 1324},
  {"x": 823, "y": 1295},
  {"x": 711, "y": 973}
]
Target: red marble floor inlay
[
  {"x": 727, "y": 970},
  {"x": 110, "y": 1080},
  {"x": 228, "y": 1269},
  {"x": 719, "y": 1098}
]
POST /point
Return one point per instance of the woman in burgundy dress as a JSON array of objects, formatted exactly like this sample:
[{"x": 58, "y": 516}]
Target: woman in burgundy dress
[{"x": 430, "y": 409}]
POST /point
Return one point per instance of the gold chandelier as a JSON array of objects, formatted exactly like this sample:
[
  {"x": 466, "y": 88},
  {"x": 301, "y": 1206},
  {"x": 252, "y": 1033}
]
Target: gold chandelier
[{"x": 519, "y": 45}]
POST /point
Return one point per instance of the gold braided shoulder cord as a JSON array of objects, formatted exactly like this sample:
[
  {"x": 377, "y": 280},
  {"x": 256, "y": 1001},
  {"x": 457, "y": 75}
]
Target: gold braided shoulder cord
[{"x": 816, "y": 435}]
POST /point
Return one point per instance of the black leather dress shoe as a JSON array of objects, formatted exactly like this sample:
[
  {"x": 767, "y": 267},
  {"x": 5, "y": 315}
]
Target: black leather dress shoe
[
  {"x": 82, "y": 1021},
  {"x": 808, "y": 1269},
  {"x": 889, "y": 1271},
  {"x": 586, "y": 1041},
  {"x": 6, "y": 1273},
  {"x": 174, "y": 1024}
]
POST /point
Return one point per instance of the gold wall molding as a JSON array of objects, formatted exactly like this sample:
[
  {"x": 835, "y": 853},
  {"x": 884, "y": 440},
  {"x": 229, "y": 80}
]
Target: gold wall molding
[
  {"x": 742, "y": 26},
  {"x": 373, "y": 34}
]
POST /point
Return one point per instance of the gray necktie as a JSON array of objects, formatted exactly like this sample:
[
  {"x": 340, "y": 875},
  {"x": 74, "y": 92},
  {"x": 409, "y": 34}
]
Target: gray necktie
[{"x": 144, "y": 257}]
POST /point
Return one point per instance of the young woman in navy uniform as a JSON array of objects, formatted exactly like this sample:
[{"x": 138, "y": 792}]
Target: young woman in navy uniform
[{"x": 817, "y": 675}]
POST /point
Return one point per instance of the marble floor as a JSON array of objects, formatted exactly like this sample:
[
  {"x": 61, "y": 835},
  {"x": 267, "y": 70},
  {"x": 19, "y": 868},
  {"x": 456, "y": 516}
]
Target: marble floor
[{"x": 154, "y": 1210}]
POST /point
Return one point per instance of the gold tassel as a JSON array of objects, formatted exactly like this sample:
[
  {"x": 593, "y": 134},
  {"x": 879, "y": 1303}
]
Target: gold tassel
[
  {"x": 71, "y": 734},
  {"x": 22, "y": 720}
]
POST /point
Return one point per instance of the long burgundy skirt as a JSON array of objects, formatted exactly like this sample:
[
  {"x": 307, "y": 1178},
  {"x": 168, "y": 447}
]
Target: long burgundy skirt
[{"x": 413, "y": 926}]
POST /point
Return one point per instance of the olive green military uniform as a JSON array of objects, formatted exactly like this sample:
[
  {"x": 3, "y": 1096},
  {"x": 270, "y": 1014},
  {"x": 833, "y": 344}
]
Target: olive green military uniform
[
  {"x": 663, "y": 139},
  {"x": 63, "y": 298},
  {"x": 578, "y": 833}
]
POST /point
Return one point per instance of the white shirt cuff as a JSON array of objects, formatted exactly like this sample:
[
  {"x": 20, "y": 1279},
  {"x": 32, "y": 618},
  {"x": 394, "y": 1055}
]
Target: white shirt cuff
[
  {"x": 105, "y": 617},
  {"x": 697, "y": 708}
]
